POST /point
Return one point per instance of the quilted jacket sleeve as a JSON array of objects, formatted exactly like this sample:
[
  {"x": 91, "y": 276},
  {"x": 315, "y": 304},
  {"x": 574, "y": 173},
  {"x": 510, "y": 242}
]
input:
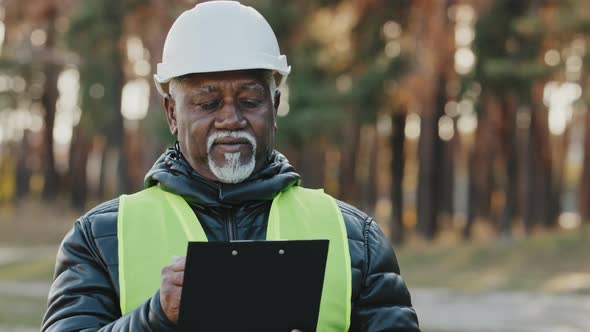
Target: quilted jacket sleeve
[
  {"x": 83, "y": 297},
  {"x": 384, "y": 302}
]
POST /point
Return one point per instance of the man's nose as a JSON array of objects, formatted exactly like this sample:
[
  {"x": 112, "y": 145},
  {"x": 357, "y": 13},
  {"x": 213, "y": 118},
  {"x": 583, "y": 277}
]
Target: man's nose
[{"x": 230, "y": 117}]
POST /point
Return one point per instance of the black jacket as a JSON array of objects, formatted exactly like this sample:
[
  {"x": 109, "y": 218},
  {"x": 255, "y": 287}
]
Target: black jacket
[{"x": 85, "y": 293}]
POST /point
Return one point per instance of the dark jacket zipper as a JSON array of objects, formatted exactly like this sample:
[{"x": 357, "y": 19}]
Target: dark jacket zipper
[{"x": 230, "y": 226}]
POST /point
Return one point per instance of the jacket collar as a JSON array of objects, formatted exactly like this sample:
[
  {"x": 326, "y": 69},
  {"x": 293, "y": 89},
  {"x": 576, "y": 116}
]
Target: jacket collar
[{"x": 174, "y": 174}]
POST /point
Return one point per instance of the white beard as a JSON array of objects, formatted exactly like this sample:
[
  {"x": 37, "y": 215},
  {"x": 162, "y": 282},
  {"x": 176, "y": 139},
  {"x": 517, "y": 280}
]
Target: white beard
[{"x": 232, "y": 170}]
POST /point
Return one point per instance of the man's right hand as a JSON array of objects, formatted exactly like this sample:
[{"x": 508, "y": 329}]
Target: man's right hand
[{"x": 171, "y": 288}]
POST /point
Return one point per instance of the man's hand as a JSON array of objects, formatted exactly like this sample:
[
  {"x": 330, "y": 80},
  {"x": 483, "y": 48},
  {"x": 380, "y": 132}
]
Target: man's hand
[{"x": 171, "y": 288}]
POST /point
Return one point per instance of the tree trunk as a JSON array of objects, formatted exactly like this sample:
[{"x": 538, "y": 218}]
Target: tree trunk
[
  {"x": 552, "y": 177},
  {"x": 365, "y": 168},
  {"x": 510, "y": 161},
  {"x": 429, "y": 172},
  {"x": 584, "y": 188},
  {"x": 49, "y": 99},
  {"x": 23, "y": 167},
  {"x": 101, "y": 192},
  {"x": 538, "y": 177},
  {"x": 348, "y": 185},
  {"x": 118, "y": 141},
  {"x": 312, "y": 165},
  {"x": 542, "y": 193},
  {"x": 446, "y": 191},
  {"x": 474, "y": 194},
  {"x": 78, "y": 164},
  {"x": 398, "y": 120},
  {"x": 117, "y": 135},
  {"x": 480, "y": 165},
  {"x": 433, "y": 54},
  {"x": 370, "y": 197},
  {"x": 528, "y": 202}
]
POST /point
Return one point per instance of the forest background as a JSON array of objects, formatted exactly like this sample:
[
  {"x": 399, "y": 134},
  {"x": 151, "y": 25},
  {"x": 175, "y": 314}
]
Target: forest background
[{"x": 462, "y": 126}]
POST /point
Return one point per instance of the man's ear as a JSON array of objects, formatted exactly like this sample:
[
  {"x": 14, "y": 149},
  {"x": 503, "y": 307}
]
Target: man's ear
[
  {"x": 276, "y": 103},
  {"x": 170, "y": 109}
]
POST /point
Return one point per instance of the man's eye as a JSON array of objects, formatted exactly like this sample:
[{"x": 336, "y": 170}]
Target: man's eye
[
  {"x": 209, "y": 106},
  {"x": 250, "y": 103}
]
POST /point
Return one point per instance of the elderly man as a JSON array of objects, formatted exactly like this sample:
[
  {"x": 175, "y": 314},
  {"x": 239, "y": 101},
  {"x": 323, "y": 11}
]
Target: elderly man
[{"x": 221, "y": 181}]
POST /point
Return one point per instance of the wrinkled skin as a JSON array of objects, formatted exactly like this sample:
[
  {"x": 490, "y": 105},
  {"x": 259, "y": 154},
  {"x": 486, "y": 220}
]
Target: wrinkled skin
[
  {"x": 171, "y": 288},
  {"x": 222, "y": 101}
]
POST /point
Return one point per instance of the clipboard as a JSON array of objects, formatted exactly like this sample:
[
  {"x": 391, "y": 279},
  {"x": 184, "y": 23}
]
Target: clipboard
[{"x": 253, "y": 285}]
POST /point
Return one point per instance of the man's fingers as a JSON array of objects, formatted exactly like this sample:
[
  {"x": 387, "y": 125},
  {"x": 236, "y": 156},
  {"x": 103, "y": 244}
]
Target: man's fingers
[
  {"x": 173, "y": 278},
  {"x": 179, "y": 263},
  {"x": 176, "y": 266},
  {"x": 170, "y": 301}
]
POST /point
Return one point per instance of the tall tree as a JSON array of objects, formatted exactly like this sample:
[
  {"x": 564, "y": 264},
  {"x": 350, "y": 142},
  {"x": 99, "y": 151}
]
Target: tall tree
[
  {"x": 49, "y": 100},
  {"x": 431, "y": 56},
  {"x": 506, "y": 69},
  {"x": 584, "y": 196},
  {"x": 96, "y": 33},
  {"x": 340, "y": 72},
  {"x": 398, "y": 136}
]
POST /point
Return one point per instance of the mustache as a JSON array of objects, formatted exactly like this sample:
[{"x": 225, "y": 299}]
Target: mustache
[{"x": 230, "y": 134}]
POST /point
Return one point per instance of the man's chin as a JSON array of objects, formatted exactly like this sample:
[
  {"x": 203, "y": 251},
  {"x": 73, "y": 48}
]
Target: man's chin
[
  {"x": 229, "y": 159},
  {"x": 233, "y": 168}
]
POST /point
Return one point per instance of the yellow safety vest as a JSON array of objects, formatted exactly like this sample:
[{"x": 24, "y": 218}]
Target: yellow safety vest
[{"x": 154, "y": 225}]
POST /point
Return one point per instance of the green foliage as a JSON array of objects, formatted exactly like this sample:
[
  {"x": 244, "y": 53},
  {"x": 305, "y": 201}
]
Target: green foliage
[
  {"x": 369, "y": 89},
  {"x": 507, "y": 44},
  {"x": 95, "y": 33},
  {"x": 518, "y": 74},
  {"x": 285, "y": 17},
  {"x": 573, "y": 18},
  {"x": 319, "y": 111}
]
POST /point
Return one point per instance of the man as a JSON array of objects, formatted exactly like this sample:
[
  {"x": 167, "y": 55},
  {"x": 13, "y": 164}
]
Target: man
[{"x": 221, "y": 181}]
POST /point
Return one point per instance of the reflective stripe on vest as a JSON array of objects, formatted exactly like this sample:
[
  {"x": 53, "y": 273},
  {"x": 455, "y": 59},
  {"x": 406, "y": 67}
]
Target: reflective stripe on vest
[{"x": 148, "y": 238}]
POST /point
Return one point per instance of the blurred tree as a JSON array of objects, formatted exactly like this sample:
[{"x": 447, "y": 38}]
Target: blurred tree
[
  {"x": 569, "y": 31},
  {"x": 337, "y": 51},
  {"x": 431, "y": 61},
  {"x": 398, "y": 136},
  {"x": 506, "y": 69},
  {"x": 96, "y": 33},
  {"x": 149, "y": 22},
  {"x": 14, "y": 175},
  {"x": 47, "y": 13},
  {"x": 584, "y": 196},
  {"x": 36, "y": 55},
  {"x": 379, "y": 65},
  {"x": 355, "y": 63}
]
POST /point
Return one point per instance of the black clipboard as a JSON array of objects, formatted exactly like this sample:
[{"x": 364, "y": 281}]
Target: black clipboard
[{"x": 253, "y": 285}]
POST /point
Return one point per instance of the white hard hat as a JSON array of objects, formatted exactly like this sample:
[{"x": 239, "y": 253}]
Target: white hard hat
[{"x": 219, "y": 36}]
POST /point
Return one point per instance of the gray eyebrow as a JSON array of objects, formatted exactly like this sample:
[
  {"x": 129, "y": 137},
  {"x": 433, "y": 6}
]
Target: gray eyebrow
[
  {"x": 204, "y": 89},
  {"x": 252, "y": 86}
]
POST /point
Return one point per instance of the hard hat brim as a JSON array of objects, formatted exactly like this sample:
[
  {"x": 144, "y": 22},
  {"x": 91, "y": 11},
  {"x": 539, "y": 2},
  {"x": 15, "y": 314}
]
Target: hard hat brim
[{"x": 167, "y": 73}]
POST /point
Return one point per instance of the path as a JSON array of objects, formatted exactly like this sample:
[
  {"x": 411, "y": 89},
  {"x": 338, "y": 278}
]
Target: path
[{"x": 501, "y": 311}]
